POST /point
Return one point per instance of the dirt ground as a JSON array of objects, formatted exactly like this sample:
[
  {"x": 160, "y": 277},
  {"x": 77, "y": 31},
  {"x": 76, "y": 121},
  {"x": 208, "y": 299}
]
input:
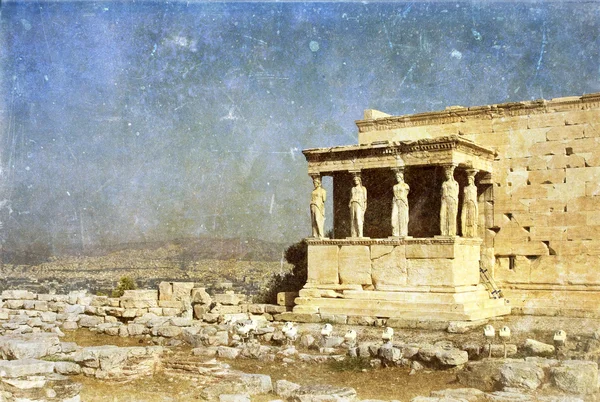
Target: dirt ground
[{"x": 385, "y": 383}]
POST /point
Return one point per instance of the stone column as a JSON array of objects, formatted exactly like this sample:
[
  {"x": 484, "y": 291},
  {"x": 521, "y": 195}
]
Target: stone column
[
  {"x": 470, "y": 208},
  {"x": 449, "y": 207},
  {"x": 317, "y": 207},
  {"x": 358, "y": 206},
  {"x": 400, "y": 205}
]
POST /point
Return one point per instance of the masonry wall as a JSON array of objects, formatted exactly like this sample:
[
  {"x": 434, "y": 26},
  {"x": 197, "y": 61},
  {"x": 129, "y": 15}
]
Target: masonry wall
[{"x": 546, "y": 194}]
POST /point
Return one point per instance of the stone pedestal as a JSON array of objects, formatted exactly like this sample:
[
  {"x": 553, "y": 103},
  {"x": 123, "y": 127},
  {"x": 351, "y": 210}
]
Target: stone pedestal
[{"x": 428, "y": 279}]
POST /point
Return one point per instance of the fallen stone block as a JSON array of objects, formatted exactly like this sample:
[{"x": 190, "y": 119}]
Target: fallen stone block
[
  {"x": 199, "y": 295},
  {"x": 100, "y": 301},
  {"x": 227, "y": 352},
  {"x": 48, "y": 316},
  {"x": 25, "y": 367},
  {"x": 200, "y": 310},
  {"x": 389, "y": 354},
  {"x": 452, "y": 357},
  {"x": 227, "y": 299},
  {"x": 134, "y": 329},
  {"x": 182, "y": 291},
  {"x": 29, "y": 346},
  {"x": 89, "y": 321},
  {"x": 536, "y": 348},
  {"x": 69, "y": 326},
  {"x": 238, "y": 383},
  {"x": 181, "y": 322},
  {"x": 178, "y": 304},
  {"x": 165, "y": 291},
  {"x": 18, "y": 294},
  {"x": 274, "y": 309},
  {"x": 523, "y": 375},
  {"x": 133, "y": 303},
  {"x": 14, "y": 304},
  {"x": 483, "y": 375},
  {"x": 313, "y": 393},
  {"x": 141, "y": 294},
  {"x": 285, "y": 389},
  {"x": 576, "y": 376},
  {"x": 168, "y": 331},
  {"x": 331, "y": 341},
  {"x": 67, "y": 368}
]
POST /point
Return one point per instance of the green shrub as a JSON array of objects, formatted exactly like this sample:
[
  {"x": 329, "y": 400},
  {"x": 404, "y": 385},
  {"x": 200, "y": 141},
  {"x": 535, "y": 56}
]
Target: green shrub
[
  {"x": 296, "y": 255},
  {"x": 125, "y": 283}
]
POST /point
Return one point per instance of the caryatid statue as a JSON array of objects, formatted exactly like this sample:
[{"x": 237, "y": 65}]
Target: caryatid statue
[
  {"x": 358, "y": 206},
  {"x": 470, "y": 209},
  {"x": 449, "y": 209},
  {"x": 317, "y": 208},
  {"x": 400, "y": 207}
]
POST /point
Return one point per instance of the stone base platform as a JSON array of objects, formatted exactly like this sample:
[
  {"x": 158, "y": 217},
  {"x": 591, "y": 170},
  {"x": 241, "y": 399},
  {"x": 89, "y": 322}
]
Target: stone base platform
[
  {"x": 554, "y": 300},
  {"x": 465, "y": 303}
]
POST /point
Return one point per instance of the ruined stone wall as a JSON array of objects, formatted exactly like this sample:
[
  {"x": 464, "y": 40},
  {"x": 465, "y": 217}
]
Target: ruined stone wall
[{"x": 545, "y": 228}]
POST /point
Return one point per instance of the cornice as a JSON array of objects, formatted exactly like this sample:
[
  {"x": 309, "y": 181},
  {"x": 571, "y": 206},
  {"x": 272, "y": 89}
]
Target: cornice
[
  {"x": 461, "y": 114},
  {"x": 394, "y": 148}
]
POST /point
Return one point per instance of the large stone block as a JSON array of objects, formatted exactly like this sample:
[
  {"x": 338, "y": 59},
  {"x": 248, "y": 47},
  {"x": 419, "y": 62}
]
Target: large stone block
[
  {"x": 509, "y": 123},
  {"x": 389, "y": 267},
  {"x": 141, "y": 294},
  {"x": 182, "y": 291},
  {"x": 566, "y": 161},
  {"x": 520, "y": 272},
  {"x": 355, "y": 265},
  {"x": 323, "y": 264},
  {"x": 199, "y": 295},
  {"x": 165, "y": 291},
  {"x": 582, "y": 145},
  {"x": 415, "y": 250},
  {"x": 29, "y": 346},
  {"x": 546, "y": 120},
  {"x": 575, "y": 376},
  {"x": 583, "y": 204},
  {"x": 127, "y": 302},
  {"x": 228, "y": 298},
  {"x": 565, "y": 133},
  {"x": 547, "y": 176},
  {"x": 423, "y": 272},
  {"x": 18, "y": 295},
  {"x": 25, "y": 367}
]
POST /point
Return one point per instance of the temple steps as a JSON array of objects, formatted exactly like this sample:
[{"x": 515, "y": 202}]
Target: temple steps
[{"x": 434, "y": 310}]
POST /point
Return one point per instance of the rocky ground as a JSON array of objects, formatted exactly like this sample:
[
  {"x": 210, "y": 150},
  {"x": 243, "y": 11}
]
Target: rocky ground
[{"x": 218, "y": 362}]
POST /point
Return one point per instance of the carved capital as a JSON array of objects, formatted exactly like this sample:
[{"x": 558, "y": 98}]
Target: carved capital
[{"x": 471, "y": 172}]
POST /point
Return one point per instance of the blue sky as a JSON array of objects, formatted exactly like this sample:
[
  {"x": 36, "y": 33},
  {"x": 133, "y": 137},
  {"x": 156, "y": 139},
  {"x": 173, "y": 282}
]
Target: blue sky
[{"x": 138, "y": 121}]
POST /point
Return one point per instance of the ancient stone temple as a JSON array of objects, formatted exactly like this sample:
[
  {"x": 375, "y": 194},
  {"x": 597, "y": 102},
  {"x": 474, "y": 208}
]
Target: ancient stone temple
[{"x": 460, "y": 214}]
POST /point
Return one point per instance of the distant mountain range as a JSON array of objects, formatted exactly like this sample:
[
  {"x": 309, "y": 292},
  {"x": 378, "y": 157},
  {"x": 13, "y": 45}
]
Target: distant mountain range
[{"x": 191, "y": 249}]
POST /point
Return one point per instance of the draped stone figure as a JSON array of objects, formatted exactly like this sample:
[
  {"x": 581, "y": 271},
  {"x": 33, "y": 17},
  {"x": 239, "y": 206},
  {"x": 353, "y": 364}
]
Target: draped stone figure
[
  {"x": 400, "y": 207},
  {"x": 449, "y": 208},
  {"x": 358, "y": 206},
  {"x": 470, "y": 209},
  {"x": 317, "y": 208}
]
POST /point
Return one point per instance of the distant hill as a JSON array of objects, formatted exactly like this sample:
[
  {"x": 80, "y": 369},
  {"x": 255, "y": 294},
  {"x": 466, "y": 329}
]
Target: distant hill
[
  {"x": 246, "y": 264},
  {"x": 199, "y": 248}
]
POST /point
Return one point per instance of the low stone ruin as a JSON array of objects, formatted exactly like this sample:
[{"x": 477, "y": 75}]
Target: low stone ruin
[{"x": 36, "y": 365}]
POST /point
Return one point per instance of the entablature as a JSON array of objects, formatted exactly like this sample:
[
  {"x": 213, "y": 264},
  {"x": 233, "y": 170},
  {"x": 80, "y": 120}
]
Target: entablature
[{"x": 440, "y": 151}]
